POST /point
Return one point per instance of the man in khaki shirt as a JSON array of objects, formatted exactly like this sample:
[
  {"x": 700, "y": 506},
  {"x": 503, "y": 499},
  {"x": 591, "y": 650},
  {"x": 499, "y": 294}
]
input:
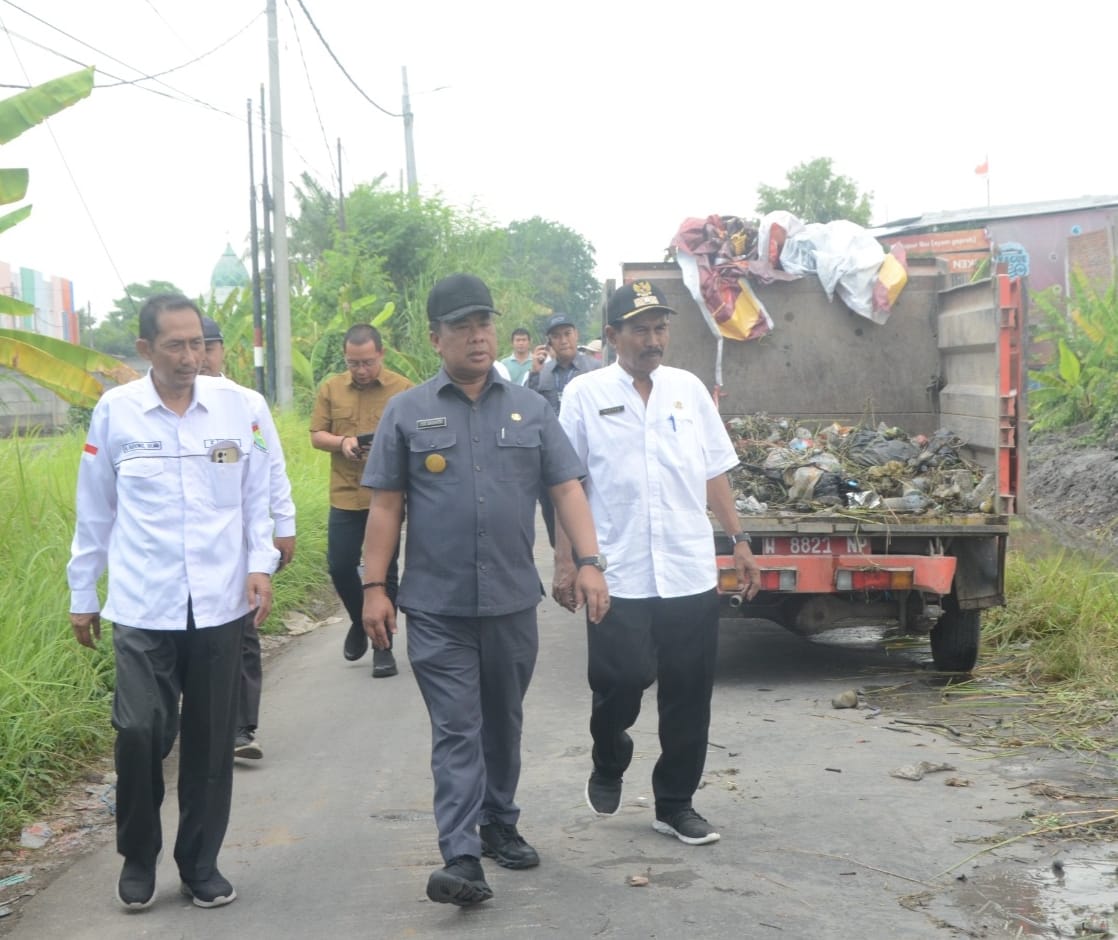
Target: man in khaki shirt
[{"x": 346, "y": 413}]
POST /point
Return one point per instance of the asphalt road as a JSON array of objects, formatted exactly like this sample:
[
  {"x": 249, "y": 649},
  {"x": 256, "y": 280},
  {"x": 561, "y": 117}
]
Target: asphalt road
[{"x": 332, "y": 833}]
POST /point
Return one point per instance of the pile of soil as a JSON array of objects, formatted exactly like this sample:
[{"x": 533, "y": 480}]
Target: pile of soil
[{"x": 1071, "y": 487}]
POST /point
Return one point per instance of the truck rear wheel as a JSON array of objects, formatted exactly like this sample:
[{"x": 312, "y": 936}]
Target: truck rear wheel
[{"x": 955, "y": 637}]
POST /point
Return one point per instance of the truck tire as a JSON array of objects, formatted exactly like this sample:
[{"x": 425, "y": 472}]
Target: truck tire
[{"x": 955, "y": 637}]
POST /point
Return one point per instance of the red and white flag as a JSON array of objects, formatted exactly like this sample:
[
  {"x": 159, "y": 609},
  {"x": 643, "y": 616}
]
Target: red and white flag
[{"x": 983, "y": 168}]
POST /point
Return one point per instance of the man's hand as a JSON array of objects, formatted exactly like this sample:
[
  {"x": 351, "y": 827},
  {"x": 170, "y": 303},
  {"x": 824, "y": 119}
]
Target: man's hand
[
  {"x": 351, "y": 448},
  {"x": 748, "y": 571},
  {"x": 539, "y": 357},
  {"x": 378, "y": 616},
  {"x": 87, "y": 628},
  {"x": 563, "y": 582},
  {"x": 285, "y": 544},
  {"x": 259, "y": 596},
  {"x": 591, "y": 590}
]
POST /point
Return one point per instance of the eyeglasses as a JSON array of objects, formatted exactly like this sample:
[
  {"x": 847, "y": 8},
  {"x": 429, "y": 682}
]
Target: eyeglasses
[{"x": 360, "y": 363}]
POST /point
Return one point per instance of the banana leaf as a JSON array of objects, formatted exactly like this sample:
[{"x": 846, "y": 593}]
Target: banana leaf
[
  {"x": 13, "y": 185},
  {"x": 23, "y": 111},
  {"x": 80, "y": 357},
  {"x": 68, "y": 382}
]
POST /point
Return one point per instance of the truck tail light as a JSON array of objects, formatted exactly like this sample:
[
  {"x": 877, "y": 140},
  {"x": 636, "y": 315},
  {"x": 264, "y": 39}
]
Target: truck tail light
[
  {"x": 772, "y": 579},
  {"x": 873, "y": 579}
]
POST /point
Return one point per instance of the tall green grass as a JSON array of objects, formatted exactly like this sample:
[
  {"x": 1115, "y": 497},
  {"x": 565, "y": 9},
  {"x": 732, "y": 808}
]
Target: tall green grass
[
  {"x": 55, "y": 696},
  {"x": 1060, "y": 623}
]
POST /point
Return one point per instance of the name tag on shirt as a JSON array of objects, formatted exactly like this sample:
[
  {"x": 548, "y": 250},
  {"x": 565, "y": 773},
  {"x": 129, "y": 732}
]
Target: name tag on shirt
[
  {"x": 424, "y": 424},
  {"x": 616, "y": 409}
]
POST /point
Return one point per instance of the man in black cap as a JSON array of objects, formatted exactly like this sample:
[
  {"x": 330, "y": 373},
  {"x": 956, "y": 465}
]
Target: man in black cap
[
  {"x": 468, "y": 451},
  {"x": 549, "y": 377},
  {"x": 656, "y": 454}
]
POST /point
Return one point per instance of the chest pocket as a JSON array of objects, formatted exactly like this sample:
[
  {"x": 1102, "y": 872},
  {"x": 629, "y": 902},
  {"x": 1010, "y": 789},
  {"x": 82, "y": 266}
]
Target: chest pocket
[
  {"x": 518, "y": 455},
  {"x": 343, "y": 420},
  {"x": 433, "y": 456},
  {"x": 139, "y": 468},
  {"x": 225, "y": 481}
]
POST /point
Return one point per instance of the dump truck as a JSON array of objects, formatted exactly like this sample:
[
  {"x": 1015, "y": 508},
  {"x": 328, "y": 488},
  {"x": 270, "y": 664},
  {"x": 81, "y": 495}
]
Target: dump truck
[{"x": 951, "y": 355}]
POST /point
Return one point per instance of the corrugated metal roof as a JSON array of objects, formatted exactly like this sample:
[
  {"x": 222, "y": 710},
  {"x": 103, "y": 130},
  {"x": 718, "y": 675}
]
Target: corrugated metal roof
[{"x": 984, "y": 214}]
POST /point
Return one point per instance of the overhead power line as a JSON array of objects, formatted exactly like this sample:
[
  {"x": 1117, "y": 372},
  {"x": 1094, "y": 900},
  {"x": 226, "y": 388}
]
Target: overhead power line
[
  {"x": 337, "y": 62},
  {"x": 314, "y": 98},
  {"x": 177, "y": 68},
  {"x": 69, "y": 172},
  {"x": 172, "y": 94}
]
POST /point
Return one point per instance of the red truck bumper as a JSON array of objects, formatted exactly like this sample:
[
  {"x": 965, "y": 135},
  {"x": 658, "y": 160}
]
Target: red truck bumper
[{"x": 838, "y": 574}]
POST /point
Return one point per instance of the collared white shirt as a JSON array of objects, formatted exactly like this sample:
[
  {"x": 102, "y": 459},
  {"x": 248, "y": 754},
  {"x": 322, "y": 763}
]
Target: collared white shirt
[
  {"x": 647, "y": 471},
  {"x": 280, "y": 503},
  {"x": 175, "y": 507}
]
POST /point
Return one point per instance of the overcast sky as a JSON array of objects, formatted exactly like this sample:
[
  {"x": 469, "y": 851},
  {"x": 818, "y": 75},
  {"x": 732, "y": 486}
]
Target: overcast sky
[{"x": 617, "y": 118}]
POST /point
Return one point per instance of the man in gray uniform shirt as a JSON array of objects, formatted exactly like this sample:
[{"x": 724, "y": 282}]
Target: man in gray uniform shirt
[{"x": 468, "y": 452}]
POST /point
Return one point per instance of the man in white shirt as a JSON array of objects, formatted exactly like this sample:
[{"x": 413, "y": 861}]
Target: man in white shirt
[
  {"x": 246, "y": 745},
  {"x": 657, "y": 454},
  {"x": 173, "y": 499}
]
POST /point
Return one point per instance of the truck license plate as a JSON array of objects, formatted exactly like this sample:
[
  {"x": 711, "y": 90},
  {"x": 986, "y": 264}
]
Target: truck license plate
[{"x": 814, "y": 545}]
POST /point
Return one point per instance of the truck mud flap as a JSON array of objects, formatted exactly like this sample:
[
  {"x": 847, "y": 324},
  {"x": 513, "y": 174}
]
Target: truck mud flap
[{"x": 979, "y": 576}]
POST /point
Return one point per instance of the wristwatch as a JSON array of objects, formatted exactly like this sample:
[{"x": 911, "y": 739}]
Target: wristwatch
[
  {"x": 598, "y": 561},
  {"x": 740, "y": 537}
]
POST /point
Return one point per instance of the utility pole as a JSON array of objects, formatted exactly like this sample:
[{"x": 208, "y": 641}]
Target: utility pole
[
  {"x": 257, "y": 312},
  {"x": 409, "y": 146},
  {"x": 284, "y": 390},
  {"x": 269, "y": 287},
  {"x": 341, "y": 191}
]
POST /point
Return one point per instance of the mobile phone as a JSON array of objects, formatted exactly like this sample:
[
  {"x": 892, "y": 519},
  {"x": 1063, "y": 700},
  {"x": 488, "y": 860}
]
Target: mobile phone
[{"x": 364, "y": 440}]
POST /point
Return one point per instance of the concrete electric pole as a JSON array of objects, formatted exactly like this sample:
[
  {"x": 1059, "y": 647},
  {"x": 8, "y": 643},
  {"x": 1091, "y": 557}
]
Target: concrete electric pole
[
  {"x": 409, "y": 145},
  {"x": 284, "y": 380}
]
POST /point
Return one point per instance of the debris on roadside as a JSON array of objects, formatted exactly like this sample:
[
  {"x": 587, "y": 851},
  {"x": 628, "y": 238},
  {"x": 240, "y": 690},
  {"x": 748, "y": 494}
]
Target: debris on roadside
[
  {"x": 918, "y": 770},
  {"x": 787, "y": 466},
  {"x": 637, "y": 881},
  {"x": 847, "y": 699},
  {"x": 956, "y": 782},
  {"x": 35, "y": 836}
]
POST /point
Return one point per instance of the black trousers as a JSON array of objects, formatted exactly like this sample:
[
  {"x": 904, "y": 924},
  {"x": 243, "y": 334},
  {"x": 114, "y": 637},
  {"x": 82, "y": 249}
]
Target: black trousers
[
  {"x": 345, "y": 537},
  {"x": 252, "y": 678},
  {"x": 473, "y": 673},
  {"x": 154, "y": 670},
  {"x": 672, "y": 641}
]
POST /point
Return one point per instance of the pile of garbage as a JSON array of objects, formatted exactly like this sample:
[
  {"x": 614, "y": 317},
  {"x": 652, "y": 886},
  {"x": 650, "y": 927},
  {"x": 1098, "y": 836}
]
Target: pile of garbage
[{"x": 786, "y": 466}]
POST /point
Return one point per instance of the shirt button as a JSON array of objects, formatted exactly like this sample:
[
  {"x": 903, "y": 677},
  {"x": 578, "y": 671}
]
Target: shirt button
[
  {"x": 481, "y": 532},
  {"x": 477, "y": 467},
  {"x": 476, "y": 438}
]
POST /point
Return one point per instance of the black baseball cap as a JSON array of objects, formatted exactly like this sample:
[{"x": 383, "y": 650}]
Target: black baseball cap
[
  {"x": 635, "y": 298},
  {"x": 557, "y": 320},
  {"x": 211, "y": 332},
  {"x": 457, "y": 296}
]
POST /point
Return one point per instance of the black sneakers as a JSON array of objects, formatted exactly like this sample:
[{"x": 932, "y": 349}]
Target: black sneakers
[
  {"x": 502, "y": 841},
  {"x": 246, "y": 746},
  {"x": 135, "y": 888},
  {"x": 687, "y": 826},
  {"x": 356, "y": 643},
  {"x": 461, "y": 881},
  {"x": 384, "y": 664},
  {"x": 603, "y": 794},
  {"x": 213, "y": 892}
]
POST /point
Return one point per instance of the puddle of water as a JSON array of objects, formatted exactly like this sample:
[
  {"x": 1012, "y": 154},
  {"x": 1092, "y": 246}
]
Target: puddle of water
[
  {"x": 876, "y": 636},
  {"x": 1074, "y": 895}
]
